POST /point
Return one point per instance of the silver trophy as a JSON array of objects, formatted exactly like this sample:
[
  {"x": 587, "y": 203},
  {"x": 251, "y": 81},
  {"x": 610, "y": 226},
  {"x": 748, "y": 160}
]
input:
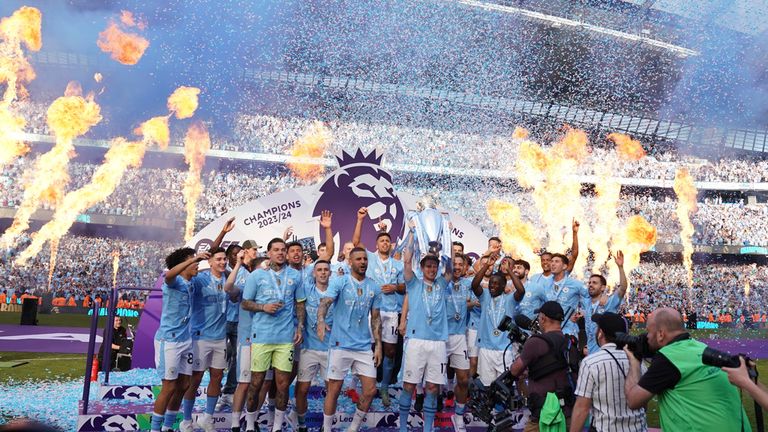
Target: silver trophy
[{"x": 430, "y": 234}]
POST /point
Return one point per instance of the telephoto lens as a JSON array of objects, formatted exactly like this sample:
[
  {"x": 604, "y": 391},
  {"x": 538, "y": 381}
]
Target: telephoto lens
[{"x": 713, "y": 357}]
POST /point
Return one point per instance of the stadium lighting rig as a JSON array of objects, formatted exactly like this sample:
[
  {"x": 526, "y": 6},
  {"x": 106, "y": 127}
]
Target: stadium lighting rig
[{"x": 556, "y": 21}]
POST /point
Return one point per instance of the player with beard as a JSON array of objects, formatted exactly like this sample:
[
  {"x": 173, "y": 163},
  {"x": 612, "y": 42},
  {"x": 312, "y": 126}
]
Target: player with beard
[
  {"x": 273, "y": 295},
  {"x": 526, "y": 306},
  {"x": 388, "y": 273},
  {"x": 496, "y": 303},
  {"x": 543, "y": 280},
  {"x": 245, "y": 263},
  {"x": 565, "y": 290},
  {"x": 354, "y": 297},
  {"x": 458, "y": 294},
  {"x": 173, "y": 341},
  {"x": 341, "y": 266},
  {"x": 602, "y": 302},
  {"x": 209, "y": 332}
]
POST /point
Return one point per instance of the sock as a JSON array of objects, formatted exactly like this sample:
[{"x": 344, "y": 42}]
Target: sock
[
  {"x": 210, "y": 404},
  {"x": 250, "y": 420},
  {"x": 301, "y": 418},
  {"x": 460, "y": 408},
  {"x": 386, "y": 372},
  {"x": 405, "y": 408},
  {"x": 430, "y": 407},
  {"x": 327, "y": 423},
  {"x": 157, "y": 422},
  {"x": 236, "y": 418},
  {"x": 186, "y": 406},
  {"x": 170, "y": 419},
  {"x": 278, "y": 424},
  {"x": 357, "y": 420}
]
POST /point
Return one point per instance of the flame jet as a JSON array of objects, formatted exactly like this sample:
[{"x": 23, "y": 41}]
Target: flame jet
[
  {"x": 196, "y": 146},
  {"x": 310, "y": 145}
]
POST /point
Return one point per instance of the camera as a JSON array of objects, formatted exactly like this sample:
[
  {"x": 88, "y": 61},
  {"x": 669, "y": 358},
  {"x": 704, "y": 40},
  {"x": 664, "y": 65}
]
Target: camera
[
  {"x": 637, "y": 344},
  {"x": 500, "y": 397},
  {"x": 713, "y": 357},
  {"x": 514, "y": 328}
]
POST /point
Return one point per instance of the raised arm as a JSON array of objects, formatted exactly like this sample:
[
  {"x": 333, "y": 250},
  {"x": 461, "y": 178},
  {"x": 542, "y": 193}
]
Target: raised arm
[
  {"x": 325, "y": 223},
  {"x": 170, "y": 276},
  {"x": 362, "y": 213},
  {"x": 229, "y": 285},
  {"x": 478, "y": 279},
  {"x": 623, "y": 283},
  {"x": 228, "y": 226},
  {"x": 408, "y": 261},
  {"x": 574, "y": 247}
]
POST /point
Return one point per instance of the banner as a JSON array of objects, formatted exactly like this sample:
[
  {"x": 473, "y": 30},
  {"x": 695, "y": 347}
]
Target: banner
[{"x": 359, "y": 181}]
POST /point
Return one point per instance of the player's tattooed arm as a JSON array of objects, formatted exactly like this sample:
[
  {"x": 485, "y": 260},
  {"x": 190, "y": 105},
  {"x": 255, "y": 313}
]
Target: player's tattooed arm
[
  {"x": 322, "y": 311},
  {"x": 376, "y": 329},
  {"x": 301, "y": 312},
  {"x": 252, "y": 306}
]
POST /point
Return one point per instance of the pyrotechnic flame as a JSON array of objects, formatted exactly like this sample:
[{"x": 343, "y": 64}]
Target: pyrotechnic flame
[
  {"x": 627, "y": 148},
  {"x": 638, "y": 236},
  {"x": 746, "y": 289},
  {"x": 520, "y": 133},
  {"x": 518, "y": 236},
  {"x": 686, "y": 205},
  {"x": 68, "y": 117},
  {"x": 115, "y": 266},
  {"x": 311, "y": 145},
  {"x": 126, "y": 48},
  {"x": 23, "y": 27},
  {"x": 155, "y": 130},
  {"x": 556, "y": 192},
  {"x": 606, "y": 204},
  {"x": 183, "y": 102},
  {"x": 196, "y": 145},
  {"x": 54, "y": 246}
]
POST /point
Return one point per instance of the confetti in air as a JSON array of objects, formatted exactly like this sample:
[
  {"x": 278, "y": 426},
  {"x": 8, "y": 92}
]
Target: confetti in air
[
  {"x": 68, "y": 116},
  {"x": 183, "y": 102},
  {"x": 686, "y": 206},
  {"x": 520, "y": 133},
  {"x": 21, "y": 28},
  {"x": 124, "y": 47},
  {"x": 196, "y": 145},
  {"x": 310, "y": 145}
]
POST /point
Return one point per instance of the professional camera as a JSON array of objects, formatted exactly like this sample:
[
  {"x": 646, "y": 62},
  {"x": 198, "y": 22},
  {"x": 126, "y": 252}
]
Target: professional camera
[
  {"x": 637, "y": 344},
  {"x": 501, "y": 396},
  {"x": 713, "y": 357},
  {"x": 514, "y": 328}
]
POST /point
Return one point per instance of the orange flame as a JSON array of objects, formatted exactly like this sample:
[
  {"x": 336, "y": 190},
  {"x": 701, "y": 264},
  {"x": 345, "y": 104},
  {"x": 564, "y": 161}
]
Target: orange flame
[
  {"x": 183, "y": 102},
  {"x": 686, "y": 205},
  {"x": 638, "y": 236},
  {"x": 746, "y": 289},
  {"x": 121, "y": 156},
  {"x": 196, "y": 145},
  {"x": 68, "y": 117},
  {"x": 606, "y": 205},
  {"x": 54, "y": 246},
  {"x": 518, "y": 236},
  {"x": 556, "y": 193},
  {"x": 520, "y": 133},
  {"x": 627, "y": 148},
  {"x": 23, "y": 27},
  {"x": 126, "y": 48},
  {"x": 311, "y": 145}
]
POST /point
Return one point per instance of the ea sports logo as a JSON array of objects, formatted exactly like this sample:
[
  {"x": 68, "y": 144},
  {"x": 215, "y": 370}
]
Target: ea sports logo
[{"x": 361, "y": 182}]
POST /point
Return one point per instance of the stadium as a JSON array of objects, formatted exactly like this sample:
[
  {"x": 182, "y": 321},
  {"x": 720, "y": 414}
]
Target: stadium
[{"x": 129, "y": 130}]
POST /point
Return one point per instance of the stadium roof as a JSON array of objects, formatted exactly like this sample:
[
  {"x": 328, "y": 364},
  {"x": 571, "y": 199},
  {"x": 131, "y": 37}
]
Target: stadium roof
[{"x": 744, "y": 16}]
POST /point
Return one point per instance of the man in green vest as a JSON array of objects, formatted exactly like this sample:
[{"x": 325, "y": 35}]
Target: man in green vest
[{"x": 692, "y": 396}]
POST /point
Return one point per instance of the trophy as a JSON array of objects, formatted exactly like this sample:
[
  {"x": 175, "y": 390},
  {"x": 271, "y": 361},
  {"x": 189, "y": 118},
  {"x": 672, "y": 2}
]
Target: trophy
[{"x": 428, "y": 232}]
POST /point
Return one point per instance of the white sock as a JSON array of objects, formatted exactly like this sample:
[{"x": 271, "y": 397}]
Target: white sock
[
  {"x": 357, "y": 420},
  {"x": 250, "y": 420},
  {"x": 278, "y": 424},
  {"x": 236, "y": 418},
  {"x": 327, "y": 422}
]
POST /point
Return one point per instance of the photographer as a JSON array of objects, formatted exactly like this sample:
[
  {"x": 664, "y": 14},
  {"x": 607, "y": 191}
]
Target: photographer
[
  {"x": 546, "y": 357},
  {"x": 601, "y": 383},
  {"x": 692, "y": 396},
  {"x": 740, "y": 378}
]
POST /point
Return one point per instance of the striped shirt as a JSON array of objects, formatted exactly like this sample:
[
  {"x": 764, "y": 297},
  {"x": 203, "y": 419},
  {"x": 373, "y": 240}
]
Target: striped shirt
[{"x": 602, "y": 380}]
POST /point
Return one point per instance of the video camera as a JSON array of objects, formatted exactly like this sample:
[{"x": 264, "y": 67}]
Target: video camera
[
  {"x": 638, "y": 345},
  {"x": 514, "y": 327},
  {"x": 502, "y": 396}
]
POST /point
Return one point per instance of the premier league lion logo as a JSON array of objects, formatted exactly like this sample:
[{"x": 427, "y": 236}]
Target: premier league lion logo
[{"x": 361, "y": 182}]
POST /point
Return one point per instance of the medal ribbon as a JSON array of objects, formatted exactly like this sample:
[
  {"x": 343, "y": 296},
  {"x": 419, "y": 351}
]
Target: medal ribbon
[
  {"x": 358, "y": 305},
  {"x": 429, "y": 301},
  {"x": 281, "y": 287}
]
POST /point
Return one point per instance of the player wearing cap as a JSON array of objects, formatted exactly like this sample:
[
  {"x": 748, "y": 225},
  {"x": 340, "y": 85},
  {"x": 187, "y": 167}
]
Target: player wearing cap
[
  {"x": 354, "y": 298},
  {"x": 273, "y": 295},
  {"x": 388, "y": 273},
  {"x": 602, "y": 302},
  {"x": 600, "y": 388},
  {"x": 548, "y": 358}
]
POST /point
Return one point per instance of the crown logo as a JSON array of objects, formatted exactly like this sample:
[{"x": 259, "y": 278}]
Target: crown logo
[{"x": 372, "y": 158}]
